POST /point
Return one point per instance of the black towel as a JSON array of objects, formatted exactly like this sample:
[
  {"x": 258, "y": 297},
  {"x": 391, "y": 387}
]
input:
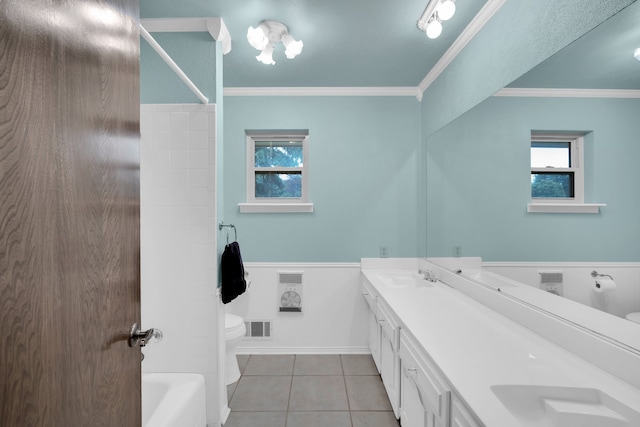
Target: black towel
[{"x": 232, "y": 273}]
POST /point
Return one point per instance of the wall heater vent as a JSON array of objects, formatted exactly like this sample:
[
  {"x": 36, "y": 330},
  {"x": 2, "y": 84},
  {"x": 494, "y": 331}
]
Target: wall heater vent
[
  {"x": 290, "y": 291},
  {"x": 552, "y": 281},
  {"x": 289, "y": 278},
  {"x": 258, "y": 329}
]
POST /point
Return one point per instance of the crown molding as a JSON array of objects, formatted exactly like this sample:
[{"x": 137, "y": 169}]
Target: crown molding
[
  {"x": 215, "y": 26},
  {"x": 322, "y": 91},
  {"x": 479, "y": 21},
  {"x": 568, "y": 93}
]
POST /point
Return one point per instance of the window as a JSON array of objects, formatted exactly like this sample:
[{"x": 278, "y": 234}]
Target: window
[
  {"x": 557, "y": 174},
  {"x": 277, "y": 172},
  {"x": 556, "y": 168}
]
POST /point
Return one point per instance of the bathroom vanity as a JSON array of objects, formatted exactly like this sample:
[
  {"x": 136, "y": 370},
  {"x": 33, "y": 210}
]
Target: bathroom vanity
[{"x": 447, "y": 360}]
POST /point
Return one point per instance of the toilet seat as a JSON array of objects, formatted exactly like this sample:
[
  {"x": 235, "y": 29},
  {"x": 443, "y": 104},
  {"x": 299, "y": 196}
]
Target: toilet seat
[
  {"x": 233, "y": 326},
  {"x": 634, "y": 317}
]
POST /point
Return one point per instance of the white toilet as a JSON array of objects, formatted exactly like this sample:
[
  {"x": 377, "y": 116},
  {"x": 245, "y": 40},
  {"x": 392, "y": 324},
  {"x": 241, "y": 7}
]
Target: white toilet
[
  {"x": 234, "y": 330},
  {"x": 634, "y": 317}
]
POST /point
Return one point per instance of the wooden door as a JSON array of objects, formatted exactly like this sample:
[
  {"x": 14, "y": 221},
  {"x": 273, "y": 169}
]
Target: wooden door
[{"x": 69, "y": 213}]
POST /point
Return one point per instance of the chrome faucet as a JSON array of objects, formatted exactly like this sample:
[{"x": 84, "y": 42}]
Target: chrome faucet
[{"x": 428, "y": 275}]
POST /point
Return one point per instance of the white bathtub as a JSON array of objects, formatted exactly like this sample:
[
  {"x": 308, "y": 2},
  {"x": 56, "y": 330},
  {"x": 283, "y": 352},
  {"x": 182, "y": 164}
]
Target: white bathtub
[{"x": 173, "y": 400}]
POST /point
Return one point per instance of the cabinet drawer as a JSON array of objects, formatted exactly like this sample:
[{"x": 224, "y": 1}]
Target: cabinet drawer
[{"x": 432, "y": 387}]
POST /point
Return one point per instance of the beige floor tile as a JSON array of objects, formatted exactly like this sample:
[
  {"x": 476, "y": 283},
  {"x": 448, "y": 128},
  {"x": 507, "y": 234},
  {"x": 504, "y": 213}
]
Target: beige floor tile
[
  {"x": 318, "y": 393},
  {"x": 366, "y": 393},
  {"x": 358, "y": 364},
  {"x": 319, "y": 419},
  {"x": 373, "y": 419},
  {"x": 261, "y": 393},
  {"x": 256, "y": 419},
  {"x": 269, "y": 365},
  {"x": 317, "y": 365}
]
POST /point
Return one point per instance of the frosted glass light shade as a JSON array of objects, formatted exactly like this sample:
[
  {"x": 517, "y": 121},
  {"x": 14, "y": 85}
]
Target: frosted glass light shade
[
  {"x": 446, "y": 10},
  {"x": 266, "y": 56},
  {"x": 293, "y": 47},
  {"x": 636, "y": 54},
  {"x": 257, "y": 38},
  {"x": 434, "y": 29}
]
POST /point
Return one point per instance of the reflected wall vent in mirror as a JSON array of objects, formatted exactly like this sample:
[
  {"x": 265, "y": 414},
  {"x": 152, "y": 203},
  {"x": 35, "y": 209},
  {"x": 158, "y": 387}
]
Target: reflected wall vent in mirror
[{"x": 551, "y": 281}]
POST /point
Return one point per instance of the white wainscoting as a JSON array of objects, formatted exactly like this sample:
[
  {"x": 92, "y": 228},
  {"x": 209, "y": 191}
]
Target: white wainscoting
[
  {"x": 578, "y": 285},
  {"x": 334, "y": 316}
]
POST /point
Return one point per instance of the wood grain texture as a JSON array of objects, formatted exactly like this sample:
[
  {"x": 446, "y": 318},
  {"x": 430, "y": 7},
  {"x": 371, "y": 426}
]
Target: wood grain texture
[{"x": 69, "y": 213}]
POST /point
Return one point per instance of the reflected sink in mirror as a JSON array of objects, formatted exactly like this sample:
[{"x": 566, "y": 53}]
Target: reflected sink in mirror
[
  {"x": 399, "y": 279},
  {"x": 549, "y": 406}
]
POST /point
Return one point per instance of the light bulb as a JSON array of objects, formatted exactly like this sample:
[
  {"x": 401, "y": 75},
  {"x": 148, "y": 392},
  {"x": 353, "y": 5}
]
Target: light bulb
[
  {"x": 266, "y": 56},
  {"x": 446, "y": 9},
  {"x": 636, "y": 54},
  {"x": 257, "y": 38},
  {"x": 434, "y": 28}
]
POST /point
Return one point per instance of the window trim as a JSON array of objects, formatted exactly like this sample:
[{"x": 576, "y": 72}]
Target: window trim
[
  {"x": 276, "y": 204},
  {"x": 576, "y": 161},
  {"x": 575, "y": 204}
]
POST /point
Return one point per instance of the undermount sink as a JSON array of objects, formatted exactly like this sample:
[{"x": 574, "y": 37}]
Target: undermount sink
[
  {"x": 399, "y": 279},
  {"x": 549, "y": 406}
]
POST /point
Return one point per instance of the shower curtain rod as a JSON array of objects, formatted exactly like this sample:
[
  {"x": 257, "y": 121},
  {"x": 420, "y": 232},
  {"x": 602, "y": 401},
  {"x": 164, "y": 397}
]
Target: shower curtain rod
[{"x": 170, "y": 62}]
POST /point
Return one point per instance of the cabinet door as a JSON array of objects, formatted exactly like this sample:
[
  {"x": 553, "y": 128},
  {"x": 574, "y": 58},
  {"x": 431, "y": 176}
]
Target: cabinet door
[
  {"x": 460, "y": 415},
  {"x": 389, "y": 359},
  {"x": 374, "y": 339},
  {"x": 412, "y": 409},
  {"x": 374, "y": 328}
]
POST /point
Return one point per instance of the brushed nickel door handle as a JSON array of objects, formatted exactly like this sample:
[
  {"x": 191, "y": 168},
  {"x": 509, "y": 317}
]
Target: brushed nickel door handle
[{"x": 142, "y": 338}]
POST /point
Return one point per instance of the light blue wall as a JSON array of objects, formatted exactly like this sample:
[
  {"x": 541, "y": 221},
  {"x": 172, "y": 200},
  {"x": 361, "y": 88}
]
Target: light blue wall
[
  {"x": 363, "y": 178},
  {"x": 479, "y": 182},
  {"x": 519, "y": 36},
  {"x": 195, "y": 54}
]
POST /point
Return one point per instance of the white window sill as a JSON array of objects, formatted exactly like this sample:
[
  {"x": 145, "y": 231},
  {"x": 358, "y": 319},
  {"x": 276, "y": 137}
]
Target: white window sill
[
  {"x": 587, "y": 208},
  {"x": 275, "y": 207}
]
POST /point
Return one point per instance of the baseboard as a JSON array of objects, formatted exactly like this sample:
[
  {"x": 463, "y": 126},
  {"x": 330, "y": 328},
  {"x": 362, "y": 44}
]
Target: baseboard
[{"x": 245, "y": 350}]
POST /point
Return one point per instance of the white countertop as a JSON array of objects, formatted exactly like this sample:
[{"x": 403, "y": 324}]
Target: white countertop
[{"x": 476, "y": 348}]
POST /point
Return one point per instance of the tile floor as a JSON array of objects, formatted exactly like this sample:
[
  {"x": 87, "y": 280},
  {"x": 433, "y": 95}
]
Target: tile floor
[{"x": 309, "y": 391}]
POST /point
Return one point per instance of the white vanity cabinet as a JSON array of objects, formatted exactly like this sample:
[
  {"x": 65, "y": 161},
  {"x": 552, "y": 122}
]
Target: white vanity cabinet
[
  {"x": 425, "y": 394},
  {"x": 370, "y": 296},
  {"x": 460, "y": 415},
  {"x": 389, "y": 354}
]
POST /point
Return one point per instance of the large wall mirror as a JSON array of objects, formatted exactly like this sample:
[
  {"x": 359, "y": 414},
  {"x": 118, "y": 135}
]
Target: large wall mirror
[{"x": 479, "y": 176}]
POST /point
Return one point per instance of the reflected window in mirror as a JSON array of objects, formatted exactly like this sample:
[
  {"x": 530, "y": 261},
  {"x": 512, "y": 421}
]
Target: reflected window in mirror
[{"x": 557, "y": 172}]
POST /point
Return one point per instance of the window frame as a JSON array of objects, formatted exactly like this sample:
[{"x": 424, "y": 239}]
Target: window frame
[
  {"x": 576, "y": 149},
  {"x": 255, "y": 204},
  {"x": 575, "y": 204}
]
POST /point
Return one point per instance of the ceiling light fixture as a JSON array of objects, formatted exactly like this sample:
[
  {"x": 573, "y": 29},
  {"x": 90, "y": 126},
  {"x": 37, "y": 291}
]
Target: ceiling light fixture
[
  {"x": 636, "y": 54},
  {"x": 266, "y": 34},
  {"x": 436, "y": 11},
  {"x": 434, "y": 27}
]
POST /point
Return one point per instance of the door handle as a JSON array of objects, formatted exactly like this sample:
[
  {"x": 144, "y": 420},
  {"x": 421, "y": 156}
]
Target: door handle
[{"x": 142, "y": 338}]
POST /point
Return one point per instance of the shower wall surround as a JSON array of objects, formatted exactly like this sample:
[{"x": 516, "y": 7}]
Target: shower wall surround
[{"x": 178, "y": 237}]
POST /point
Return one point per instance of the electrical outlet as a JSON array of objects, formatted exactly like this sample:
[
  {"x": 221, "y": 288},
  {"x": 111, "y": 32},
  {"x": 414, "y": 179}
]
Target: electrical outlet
[
  {"x": 457, "y": 251},
  {"x": 384, "y": 251}
]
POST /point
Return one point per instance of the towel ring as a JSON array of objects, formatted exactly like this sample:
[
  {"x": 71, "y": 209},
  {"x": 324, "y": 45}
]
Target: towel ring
[{"x": 229, "y": 227}]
